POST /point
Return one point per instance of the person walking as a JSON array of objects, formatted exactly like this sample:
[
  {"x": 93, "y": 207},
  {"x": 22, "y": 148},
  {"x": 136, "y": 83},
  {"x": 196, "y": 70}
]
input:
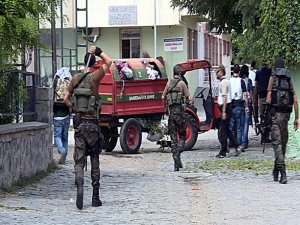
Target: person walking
[
  {"x": 61, "y": 113},
  {"x": 244, "y": 74},
  {"x": 224, "y": 102},
  {"x": 176, "y": 94},
  {"x": 85, "y": 102},
  {"x": 281, "y": 98},
  {"x": 261, "y": 85},
  {"x": 239, "y": 104}
]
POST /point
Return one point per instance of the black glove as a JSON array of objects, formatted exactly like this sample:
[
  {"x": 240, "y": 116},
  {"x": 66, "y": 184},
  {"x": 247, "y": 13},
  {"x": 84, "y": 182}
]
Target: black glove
[{"x": 98, "y": 51}]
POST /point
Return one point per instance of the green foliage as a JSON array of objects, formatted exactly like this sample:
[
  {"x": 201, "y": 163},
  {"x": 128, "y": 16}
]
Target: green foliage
[
  {"x": 261, "y": 29},
  {"x": 225, "y": 15},
  {"x": 12, "y": 95},
  {"x": 255, "y": 165},
  {"x": 278, "y": 34},
  {"x": 19, "y": 26}
]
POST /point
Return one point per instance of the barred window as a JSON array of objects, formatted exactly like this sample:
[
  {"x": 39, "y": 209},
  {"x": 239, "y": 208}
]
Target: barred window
[{"x": 130, "y": 43}]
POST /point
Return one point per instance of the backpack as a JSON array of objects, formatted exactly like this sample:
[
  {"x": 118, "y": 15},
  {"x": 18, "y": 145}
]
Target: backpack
[
  {"x": 174, "y": 94},
  {"x": 60, "y": 90},
  {"x": 282, "y": 91},
  {"x": 83, "y": 98}
]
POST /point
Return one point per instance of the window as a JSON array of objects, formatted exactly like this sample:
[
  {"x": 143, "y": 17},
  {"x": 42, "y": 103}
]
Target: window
[
  {"x": 192, "y": 36},
  {"x": 195, "y": 44},
  {"x": 190, "y": 43},
  {"x": 130, "y": 43}
]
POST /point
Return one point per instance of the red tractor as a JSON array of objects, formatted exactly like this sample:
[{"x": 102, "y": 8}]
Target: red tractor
[
  {"x": 132, "y": 103},
  {"x": 209, "y": 105}
]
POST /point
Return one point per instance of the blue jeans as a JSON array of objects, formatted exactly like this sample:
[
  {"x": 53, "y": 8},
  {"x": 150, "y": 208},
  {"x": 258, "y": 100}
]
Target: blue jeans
[
  {"x": 246, "y": 129},
  {"x": 237, "y": 123},
  {"x": 61, "y": 133}
]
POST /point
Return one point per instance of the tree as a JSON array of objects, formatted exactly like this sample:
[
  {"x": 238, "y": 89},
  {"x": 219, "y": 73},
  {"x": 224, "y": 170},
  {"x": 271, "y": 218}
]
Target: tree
[
  {"x": 226, "y": 15},
  {"x": 19, "y": 26}
]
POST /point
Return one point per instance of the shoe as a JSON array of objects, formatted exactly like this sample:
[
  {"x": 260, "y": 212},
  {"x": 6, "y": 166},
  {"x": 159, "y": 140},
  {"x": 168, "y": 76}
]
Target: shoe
[
  {"x": 96, "y": 202},
  {"x": 275, "y": 174},
  {"x": 283, "y": 178},
  {"x": 220, "y": 156},
  {"x": 62, "y": 158},
  {"x": 79, "y": 198},
  {"x": 237, "y": 153}
]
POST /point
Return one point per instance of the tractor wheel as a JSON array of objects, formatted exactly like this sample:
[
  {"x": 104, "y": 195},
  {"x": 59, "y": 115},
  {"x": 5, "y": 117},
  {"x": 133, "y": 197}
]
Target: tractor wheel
[
  {"x": 131, "y": 136},
  {"x": 110, "y": 138},
  {"x": 191, "y": 132}
]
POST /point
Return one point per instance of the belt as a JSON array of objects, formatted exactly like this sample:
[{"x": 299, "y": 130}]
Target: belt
[{"x": 90, "y": 121}]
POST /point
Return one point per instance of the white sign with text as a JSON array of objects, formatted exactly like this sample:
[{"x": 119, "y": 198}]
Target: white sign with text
[{"x": 173, "y": 44}]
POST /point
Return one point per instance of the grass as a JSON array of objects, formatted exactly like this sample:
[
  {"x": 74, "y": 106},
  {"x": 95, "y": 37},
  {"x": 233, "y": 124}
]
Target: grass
[
  {"x": 258, "y": 166},
  {"x": 26, "y": 181},
  {"x": 13, "y": 208}
]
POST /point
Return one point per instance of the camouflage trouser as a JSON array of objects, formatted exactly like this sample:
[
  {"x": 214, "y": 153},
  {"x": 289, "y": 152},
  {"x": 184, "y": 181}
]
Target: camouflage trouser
[
  {"x": 279, "y": 135},
  {"x": 176, "y": 125},
  {"x": 87, "y": 142}
]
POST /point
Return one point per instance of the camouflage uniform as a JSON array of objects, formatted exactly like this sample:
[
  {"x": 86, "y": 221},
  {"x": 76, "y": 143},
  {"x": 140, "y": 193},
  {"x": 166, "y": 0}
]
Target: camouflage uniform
[
  {"x": 177, "y": 125},
  {"x": 176, "y": 92},
  {"x": 279, "y": 135},
  {"x": 281, "y": 94},
  {"x": 88, "y": 139},
  {"x": 87, "y": 142}
]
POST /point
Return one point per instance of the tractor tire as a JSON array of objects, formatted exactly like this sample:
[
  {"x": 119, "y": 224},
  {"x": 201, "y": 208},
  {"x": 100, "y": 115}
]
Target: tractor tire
[
  {"x": 110, "y": 135},
  {"x": 131, "y": 136},
  {"x": 191, "y": 132}
]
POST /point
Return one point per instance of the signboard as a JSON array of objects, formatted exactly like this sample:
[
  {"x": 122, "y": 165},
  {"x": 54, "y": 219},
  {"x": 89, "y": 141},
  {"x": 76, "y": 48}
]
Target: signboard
[
  {"x": 173, "y": 44},
  {"x": 123, "y": 15}
]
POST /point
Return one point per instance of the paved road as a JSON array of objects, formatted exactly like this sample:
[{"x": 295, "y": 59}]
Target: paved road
[{"x": 143, "y": 189}]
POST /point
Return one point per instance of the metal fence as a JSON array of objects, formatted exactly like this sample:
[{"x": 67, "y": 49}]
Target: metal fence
[{"x": 17, "y": 96}]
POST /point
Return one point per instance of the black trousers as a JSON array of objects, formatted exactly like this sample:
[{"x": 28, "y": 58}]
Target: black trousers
[{"x": 224, "y": 131}]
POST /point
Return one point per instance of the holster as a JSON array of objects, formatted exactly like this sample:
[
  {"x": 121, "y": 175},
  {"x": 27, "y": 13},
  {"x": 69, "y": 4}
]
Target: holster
[{"x": 76, "y": 120}]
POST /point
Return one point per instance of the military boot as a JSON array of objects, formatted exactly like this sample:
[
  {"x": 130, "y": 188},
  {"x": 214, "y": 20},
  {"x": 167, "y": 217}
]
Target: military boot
[
  {"x": 96, "y": 202},
  {"x": 176, "y": 162},
  {"x": 275, "y": 173},
  {"x": 283, "y": 178},
  {"x": 79, "y": 197}
]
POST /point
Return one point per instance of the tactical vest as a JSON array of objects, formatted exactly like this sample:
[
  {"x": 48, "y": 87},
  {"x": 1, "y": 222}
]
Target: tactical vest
[
  {"x": 83, "y": 99},
  {"x": 174, "y": 94},
  {"x": 282, "y": 95}
]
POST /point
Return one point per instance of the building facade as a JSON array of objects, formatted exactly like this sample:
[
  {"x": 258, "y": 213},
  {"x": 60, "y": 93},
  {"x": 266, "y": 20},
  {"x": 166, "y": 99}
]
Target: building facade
[{"x": 133, "y": 29}]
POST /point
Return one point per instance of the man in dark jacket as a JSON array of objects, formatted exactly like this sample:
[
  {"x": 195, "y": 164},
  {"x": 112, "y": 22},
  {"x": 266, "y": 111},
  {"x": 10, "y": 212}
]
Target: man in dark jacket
[{"x": 281, "y": 98}]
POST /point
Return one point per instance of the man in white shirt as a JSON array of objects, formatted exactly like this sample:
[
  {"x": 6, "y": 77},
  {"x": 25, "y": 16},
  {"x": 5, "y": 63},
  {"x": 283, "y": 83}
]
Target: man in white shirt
[{"x": 224, "y": 101}]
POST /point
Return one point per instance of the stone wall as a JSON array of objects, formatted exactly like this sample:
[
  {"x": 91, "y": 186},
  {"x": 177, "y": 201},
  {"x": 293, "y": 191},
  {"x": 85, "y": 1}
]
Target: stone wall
[{"x": 26, "y": 148}]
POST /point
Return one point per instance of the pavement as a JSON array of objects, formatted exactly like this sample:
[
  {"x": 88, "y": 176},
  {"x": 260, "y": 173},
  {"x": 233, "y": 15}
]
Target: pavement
[{"x": 143, "y": 189}]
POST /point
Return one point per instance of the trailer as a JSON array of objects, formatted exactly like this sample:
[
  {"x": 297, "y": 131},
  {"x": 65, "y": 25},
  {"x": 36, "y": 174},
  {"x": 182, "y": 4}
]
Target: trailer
[{"x": 130, "y": 104}]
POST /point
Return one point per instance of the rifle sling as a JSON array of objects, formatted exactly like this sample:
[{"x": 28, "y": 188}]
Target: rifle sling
[
  {"x": 81, "y": 79},
  {"x": 173, "y": 87}
]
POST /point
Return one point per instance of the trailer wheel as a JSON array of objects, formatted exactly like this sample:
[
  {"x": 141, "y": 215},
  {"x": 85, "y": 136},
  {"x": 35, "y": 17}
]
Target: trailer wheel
[
  {"x": 110, "y": 138},
  {"x": 191, "y": 132},
  {"x": 131, "y": 136}
]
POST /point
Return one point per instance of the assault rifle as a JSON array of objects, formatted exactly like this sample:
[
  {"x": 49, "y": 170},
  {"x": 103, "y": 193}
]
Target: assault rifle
[{"x": 265, "y": 125}]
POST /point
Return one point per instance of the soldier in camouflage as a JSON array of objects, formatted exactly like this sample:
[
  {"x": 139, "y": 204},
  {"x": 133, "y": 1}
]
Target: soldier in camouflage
[
  {"x": 176, "y": 93},
  {"x": 84, "y": 92},
  {"x": 280, "y": 99}
]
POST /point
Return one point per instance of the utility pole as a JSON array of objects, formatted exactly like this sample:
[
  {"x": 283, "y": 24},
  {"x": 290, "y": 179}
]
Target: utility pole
[
  {"x": 155, "y": 30},
  {"x": 53, "y": 40}
]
